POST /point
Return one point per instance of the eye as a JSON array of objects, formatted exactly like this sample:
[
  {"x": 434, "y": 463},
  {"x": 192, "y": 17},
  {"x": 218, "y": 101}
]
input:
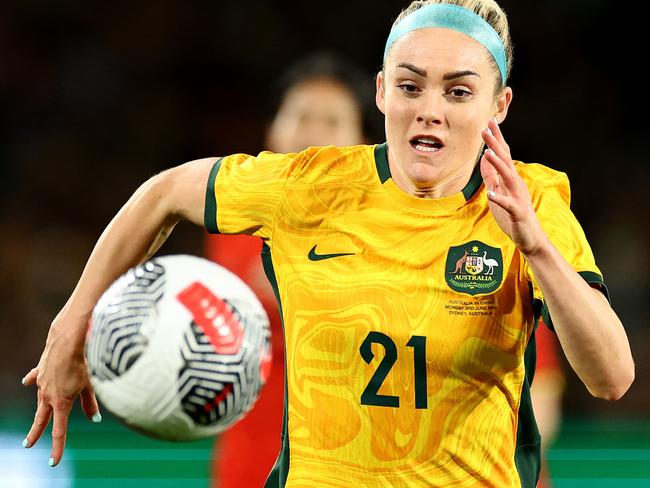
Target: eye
[
  {"x": 460, "y": 93},
  {"x": 409, "y": 88}
]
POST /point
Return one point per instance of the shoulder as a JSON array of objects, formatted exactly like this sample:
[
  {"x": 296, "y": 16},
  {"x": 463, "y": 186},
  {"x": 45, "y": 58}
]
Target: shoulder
[
  {"x": 542, "y": 180},
  {"x": 310, "y": 166},
  {"x": 339, "y": 156},
  {"x": 334, "y": 163}
]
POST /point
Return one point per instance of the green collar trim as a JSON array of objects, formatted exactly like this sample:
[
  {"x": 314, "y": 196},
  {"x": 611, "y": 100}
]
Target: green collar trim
[
  {"x": 381, "y": 160},
  {"x": 383, "y": 170},
  {"x": 474, "y": 183}
]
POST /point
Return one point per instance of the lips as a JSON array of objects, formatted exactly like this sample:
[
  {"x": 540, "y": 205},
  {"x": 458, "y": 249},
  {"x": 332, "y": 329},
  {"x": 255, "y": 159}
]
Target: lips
[{"x": 426, "y": 143}]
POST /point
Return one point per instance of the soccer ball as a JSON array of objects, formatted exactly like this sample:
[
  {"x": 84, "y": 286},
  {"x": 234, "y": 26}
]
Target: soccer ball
[{"x": 178, "y": 348}]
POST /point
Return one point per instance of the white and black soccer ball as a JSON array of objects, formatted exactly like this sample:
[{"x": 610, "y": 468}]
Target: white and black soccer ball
[{"x": 178, "y": 348}]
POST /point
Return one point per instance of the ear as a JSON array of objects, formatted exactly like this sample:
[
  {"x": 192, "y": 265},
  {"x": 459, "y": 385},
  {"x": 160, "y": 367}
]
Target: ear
[
  {"x": 502, "y": 103},
  {"x": 380, "y": 98}
]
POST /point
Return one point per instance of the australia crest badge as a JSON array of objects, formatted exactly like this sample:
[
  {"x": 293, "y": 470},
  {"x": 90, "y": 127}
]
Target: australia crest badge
[{"x": 474, "y": 268}]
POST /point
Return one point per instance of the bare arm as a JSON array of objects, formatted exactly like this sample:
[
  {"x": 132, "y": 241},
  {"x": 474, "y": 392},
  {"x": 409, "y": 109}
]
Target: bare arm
[
  {"x": 134, "y": 235},
  {"x": 589, "y": 331}
]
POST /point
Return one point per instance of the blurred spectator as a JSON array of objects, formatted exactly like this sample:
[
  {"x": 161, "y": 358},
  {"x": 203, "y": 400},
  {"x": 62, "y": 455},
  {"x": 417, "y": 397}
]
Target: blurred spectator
[{"x": 321, "y": 100}]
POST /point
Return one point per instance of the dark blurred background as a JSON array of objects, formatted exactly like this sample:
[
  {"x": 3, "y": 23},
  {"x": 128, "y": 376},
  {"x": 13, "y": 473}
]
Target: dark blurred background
[{"x": 98, "y": 96}]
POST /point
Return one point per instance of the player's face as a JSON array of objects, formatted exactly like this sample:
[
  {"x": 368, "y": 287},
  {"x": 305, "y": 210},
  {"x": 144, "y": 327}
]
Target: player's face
[
  {"x": 438, "y": 93},
  {"x": 316, "y": 112}
]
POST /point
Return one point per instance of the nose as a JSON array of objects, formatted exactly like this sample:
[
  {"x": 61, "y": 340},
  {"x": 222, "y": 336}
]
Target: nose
[{"x": 430, "y": 110}]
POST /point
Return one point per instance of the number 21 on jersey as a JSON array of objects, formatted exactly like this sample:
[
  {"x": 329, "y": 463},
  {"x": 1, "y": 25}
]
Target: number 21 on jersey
[{"x": 370, "y": 395}]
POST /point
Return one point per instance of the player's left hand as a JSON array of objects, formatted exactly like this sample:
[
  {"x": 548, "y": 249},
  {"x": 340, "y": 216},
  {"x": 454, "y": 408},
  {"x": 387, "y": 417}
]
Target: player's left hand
[
  {"x": 61, "y": 376},
  {"x": 508, "y": 196}
]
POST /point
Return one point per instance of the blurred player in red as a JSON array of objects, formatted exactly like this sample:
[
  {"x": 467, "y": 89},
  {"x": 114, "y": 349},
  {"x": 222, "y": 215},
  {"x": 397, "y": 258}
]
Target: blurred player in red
[
  {"x": 321, "y": 101},
  {"x": 546, "y": 393}
]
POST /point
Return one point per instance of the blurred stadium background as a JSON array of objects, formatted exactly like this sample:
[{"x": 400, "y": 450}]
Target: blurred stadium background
[{"x": 97, "y": 97}]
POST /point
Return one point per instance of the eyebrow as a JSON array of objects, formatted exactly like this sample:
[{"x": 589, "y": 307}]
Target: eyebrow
[
  {"x": 418, "y": 71},
  {"x": 459, "y": 74},
  {"x": 447, "y": 76}
]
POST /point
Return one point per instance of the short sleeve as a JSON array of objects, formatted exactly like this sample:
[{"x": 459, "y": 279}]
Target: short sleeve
[
  {"x": 551, "y": 199},
  {"x": 243, "y": 192}
]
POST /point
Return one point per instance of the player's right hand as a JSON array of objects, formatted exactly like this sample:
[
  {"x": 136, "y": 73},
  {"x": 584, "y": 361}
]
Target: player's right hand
[{"x": 60, "y": 377}]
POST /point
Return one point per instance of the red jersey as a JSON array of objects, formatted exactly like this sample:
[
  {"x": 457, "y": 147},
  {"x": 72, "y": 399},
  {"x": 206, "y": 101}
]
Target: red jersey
[{"x": 246, "y": 452}]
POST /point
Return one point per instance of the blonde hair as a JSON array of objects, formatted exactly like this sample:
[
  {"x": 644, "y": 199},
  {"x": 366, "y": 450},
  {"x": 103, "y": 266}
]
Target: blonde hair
[{"x": 489, "y": 10}]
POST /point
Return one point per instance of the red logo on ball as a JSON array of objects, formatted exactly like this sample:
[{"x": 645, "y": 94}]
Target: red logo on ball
[{"x": 215, "y": 317}]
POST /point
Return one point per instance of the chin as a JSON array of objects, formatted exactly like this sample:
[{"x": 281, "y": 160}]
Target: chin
[{"x": 423, "y": 173}]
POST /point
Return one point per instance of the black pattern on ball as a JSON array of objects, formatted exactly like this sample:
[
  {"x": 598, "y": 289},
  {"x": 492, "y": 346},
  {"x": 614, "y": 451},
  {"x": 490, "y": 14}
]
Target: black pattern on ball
[
  {"x": 117, "y": 340},
  {"x": 213, "y": 385}
]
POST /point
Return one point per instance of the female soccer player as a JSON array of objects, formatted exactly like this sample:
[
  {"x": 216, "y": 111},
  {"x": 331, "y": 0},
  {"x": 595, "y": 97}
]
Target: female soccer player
[{"x": 410, "y": 275}]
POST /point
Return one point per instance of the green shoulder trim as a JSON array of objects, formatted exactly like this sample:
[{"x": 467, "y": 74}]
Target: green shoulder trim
[
  {"x": 474, "y": 183},
  {"x": 595, "y": 279},
  {"x": 591, "y": 278},
  {"x": 210, "y": 212},
  {"x": 277, "y": 478},
  {"x": 381, "y": 161}
]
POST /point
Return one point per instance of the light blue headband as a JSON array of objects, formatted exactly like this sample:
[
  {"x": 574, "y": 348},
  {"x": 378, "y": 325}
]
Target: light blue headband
[{"x": 456, "y": 18}]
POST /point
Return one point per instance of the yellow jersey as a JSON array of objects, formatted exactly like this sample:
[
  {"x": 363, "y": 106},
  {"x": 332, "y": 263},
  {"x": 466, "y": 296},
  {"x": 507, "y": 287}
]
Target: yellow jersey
[{"x": 408, "y": 322}]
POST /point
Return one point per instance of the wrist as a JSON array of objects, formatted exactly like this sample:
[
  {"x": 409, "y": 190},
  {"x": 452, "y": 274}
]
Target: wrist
[
  {"x": 542, "y": 249},
  {"x": 70, "y": 330}
]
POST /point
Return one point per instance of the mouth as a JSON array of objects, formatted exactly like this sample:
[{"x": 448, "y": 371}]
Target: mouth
[{"x": 428, "y": 144}]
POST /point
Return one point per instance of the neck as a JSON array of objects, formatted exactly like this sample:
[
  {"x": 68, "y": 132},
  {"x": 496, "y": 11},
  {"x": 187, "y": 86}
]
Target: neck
[{"x": 446, "y": 185}]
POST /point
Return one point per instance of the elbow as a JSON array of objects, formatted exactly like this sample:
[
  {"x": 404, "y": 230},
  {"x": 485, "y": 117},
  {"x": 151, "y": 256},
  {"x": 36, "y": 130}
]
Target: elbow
[
  {"x": 615, "y": 388},
  {"x": 157, "y": 192}
]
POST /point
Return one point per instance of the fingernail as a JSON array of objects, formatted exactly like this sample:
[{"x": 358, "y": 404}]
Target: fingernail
[
  {"x": 490, "y": 152},
  {"x": 97, "y": 418},
  {"x": 51, "y": 463},
  {"x": 25, "y": 443},
  {"x": 491, "y": 194},
  {"x": 494, "y": 119},
  {"x": 24, "y": 381},
  {"x": 489, "y": 132}
]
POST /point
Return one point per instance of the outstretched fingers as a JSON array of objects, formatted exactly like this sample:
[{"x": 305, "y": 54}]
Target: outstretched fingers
[
  {"x": 41, "y": 419},
  {"x": 493, "y": 125},
  {"x": 505, "y": 170},
  {"x": 498, "y": 170},
  {"x": 508, "y": 195},
  {"x": 489, "y": 174},
  {"x": 495, "y": 191},
  {"x": 89, "y": 404},
  {"x": 59, "y": 431},
  {"x": 57, "y": 410},
  {"x": 30, "y": 378},
  {"x": 503, "y": 201}
]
